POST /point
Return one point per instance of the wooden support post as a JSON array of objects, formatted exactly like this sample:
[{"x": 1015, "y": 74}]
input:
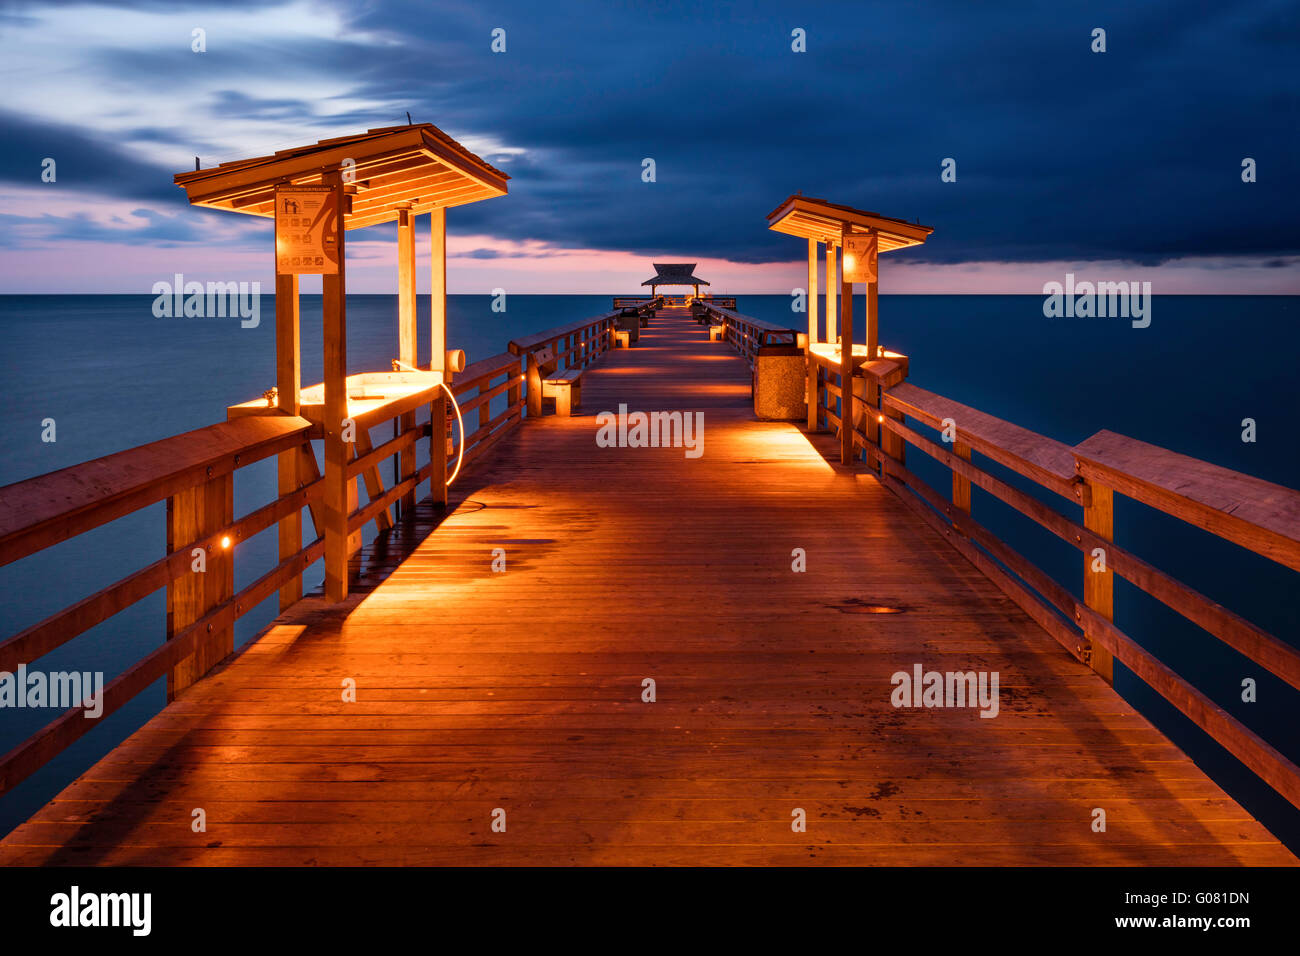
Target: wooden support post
[
  {"x": 195, "y": 513},
  {"x": 813, "y": 330},
  {"x": 848, "y": 401},
  {"x": 438, "y": 290},
  {"x": 872, "y": 338},
  {"x": 288, "y": 383},
  {"x": 438, "y": 449},
  {"x": 406, "y": 342},
  {"x": 1099, "y": 586},
  {"x": 832, "y": 283},
  {"x": 960, "y": 483},
  {"x": 334, "y": 508}
]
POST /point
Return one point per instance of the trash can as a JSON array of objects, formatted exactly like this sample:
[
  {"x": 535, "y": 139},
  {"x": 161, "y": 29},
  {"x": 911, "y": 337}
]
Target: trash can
[{"x": 780, "y": 383}]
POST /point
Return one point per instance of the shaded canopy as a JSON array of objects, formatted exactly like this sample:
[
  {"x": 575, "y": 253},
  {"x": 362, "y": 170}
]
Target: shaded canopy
[
  {"x": 674, "y": 273},
  {"x": 824, "y": 221},
  {"x": 416, "y": 167}
]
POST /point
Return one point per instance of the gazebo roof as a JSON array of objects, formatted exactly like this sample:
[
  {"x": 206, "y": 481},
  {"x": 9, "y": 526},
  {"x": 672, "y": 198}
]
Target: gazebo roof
[
  {"x": 416, "y": 167},
  {"x": 824, "y": 221},
  {"x": 674, "y": 273}
]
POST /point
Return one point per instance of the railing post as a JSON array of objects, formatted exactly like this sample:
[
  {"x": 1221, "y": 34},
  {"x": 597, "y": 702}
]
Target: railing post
[
  {"x": 484, "y": 409},
  {"x": 438, "y": 449},
  {"x": 513, "y": 392},
  {"x": 534, "y": 386},
  {"x": 893, "y": 445},
  {"x": 193, "y": 514},
  {"x": 1098, "y": 578},
  {"x": 960, "y": 483}
]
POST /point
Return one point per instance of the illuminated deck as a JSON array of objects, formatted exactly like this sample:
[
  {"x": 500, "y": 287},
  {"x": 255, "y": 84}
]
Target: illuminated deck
[{"x": 522, "y": 690}]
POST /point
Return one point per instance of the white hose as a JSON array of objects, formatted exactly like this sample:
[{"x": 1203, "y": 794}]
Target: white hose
[{"x": 461, "y": 422}]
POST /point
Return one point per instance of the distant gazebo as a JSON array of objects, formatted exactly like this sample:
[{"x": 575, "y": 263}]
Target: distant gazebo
[{"x": 674, "y": 273}]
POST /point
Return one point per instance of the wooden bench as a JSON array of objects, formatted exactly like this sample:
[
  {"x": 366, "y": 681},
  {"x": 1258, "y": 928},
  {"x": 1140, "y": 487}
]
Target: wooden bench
[
  {"x": 622, "y": 338},
  {"x": 565, "y": 387},
  {"x": 717, "y": 333}
]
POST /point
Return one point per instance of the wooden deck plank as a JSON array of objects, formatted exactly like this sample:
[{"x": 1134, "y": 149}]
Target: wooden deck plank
[{"x": 522, "y": 689}]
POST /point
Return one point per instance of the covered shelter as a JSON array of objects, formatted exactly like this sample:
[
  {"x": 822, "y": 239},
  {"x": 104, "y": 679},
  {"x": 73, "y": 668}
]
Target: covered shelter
[
  {"x": 674, "y": 273},
  {"x": 855, "y": 237},
  {"x": 315, "y": 194}
]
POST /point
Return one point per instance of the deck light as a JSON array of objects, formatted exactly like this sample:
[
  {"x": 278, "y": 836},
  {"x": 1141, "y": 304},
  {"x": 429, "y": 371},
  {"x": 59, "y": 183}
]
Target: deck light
[{"x": 225, "y": 542}]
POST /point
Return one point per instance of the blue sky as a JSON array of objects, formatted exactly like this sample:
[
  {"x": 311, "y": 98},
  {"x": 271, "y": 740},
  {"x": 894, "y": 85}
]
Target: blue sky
[{"x": 1126, "y": 162}]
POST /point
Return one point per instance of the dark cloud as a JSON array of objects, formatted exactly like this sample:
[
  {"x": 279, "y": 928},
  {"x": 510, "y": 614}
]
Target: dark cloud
[
  {"x": 84, "y": 160},
  {"x": 1061, "y": 153}
]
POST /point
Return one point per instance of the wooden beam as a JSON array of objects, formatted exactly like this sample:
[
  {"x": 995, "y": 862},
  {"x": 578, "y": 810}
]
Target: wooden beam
[
  {"x": 334, "y": 508},
  {"x": 370, "y": 476}
]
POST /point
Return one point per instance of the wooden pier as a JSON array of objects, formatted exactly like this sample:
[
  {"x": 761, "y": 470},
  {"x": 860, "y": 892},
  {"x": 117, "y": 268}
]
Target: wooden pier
[
  {"x": 521, "y": 690},
  {"x": 576, "y": 649}
]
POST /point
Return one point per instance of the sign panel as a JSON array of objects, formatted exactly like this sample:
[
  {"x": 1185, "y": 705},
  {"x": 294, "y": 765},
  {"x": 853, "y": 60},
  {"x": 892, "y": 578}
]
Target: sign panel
[
  {"x": 860, "y": 258},
  {"x": 307, "y": 227}
]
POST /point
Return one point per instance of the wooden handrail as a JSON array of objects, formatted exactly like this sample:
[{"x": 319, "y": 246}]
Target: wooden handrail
[
  {"x": 194, "y": 470},
  {"x": 1258, "y": 515},
  {"x": 1042, "y": 460},
  {"x": 47, "y": 509},
  {"x": 588, "y": 340},
  {"x": 747, "y": 334},
  {"x": 539, "y": 340}
]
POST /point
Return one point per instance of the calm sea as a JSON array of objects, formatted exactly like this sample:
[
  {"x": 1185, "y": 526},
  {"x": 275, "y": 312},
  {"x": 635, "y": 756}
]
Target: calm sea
[{"x": 111, "y": 375}]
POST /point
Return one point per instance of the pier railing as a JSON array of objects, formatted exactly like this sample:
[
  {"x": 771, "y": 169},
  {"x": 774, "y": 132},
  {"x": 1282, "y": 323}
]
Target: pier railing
[
  {"x": 746, "y": 333},
  {"x": 575, "y": 345},
  {"x": 1257, "y": 515},
  {"x": 640, "y": 302},
  {"x": 194, "y": 474}
]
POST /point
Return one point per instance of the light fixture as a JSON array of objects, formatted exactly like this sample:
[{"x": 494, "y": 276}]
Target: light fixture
[{"x": 225, "y": 542}]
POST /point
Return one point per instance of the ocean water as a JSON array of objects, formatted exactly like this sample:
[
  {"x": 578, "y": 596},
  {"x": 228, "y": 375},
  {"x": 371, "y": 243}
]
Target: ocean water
[{"x": 113, "y": 376}]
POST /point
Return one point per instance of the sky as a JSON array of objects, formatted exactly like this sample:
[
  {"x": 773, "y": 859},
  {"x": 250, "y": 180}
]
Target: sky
[{"x": 1125, "y": 164}]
